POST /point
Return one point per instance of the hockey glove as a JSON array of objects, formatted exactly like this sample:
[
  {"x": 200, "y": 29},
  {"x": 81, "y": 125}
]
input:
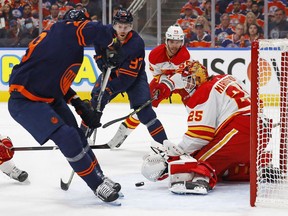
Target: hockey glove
[
  {"x": 112, "y": 58},
  {"x": 90, "y": 117},
  {"x": 101, "y": 63},
  {"x": 113, "y": 53},
  {"x": 163, "y": 91},
  {"x": 6, "y": 151}
]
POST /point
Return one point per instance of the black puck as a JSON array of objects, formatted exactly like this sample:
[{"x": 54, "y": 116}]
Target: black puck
[{"x": 139, "y": 184}]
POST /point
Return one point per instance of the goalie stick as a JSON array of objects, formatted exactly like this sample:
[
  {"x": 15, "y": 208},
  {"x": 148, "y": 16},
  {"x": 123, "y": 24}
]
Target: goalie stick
[{"x": 132, "y": 113}]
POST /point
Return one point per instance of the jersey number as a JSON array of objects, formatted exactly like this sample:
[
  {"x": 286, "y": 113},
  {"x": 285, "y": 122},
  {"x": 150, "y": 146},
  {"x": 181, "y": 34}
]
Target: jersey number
[
  {"x": 195, "y": 115},
  {"x": 32, "y": 45},
  {"x": 241, "y": 98}
]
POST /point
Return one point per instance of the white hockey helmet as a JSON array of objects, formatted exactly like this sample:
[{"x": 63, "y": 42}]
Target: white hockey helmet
[{"x": 174, "y": 32}]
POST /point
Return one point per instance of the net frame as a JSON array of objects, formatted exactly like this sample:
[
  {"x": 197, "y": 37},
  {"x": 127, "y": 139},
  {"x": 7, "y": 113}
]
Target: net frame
[{"x": 263, "y": 190}]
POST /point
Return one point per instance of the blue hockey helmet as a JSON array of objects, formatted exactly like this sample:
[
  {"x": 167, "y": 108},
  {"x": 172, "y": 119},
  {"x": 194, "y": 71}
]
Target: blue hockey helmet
[
  {"x": 76, "y": 15},
  {"x": 123, "y": 16}
]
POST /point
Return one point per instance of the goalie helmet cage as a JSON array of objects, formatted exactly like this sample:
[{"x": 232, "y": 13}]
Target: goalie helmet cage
[{"x": 269, "y": 123}]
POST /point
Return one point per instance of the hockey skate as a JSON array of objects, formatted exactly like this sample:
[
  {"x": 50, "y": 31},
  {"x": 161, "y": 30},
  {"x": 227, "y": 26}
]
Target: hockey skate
[
  {"x": 17, "y": 174},
  {"x": 116, "y": 186},
  {"x": 106, "y": 193},
  {"x": 120, "y": 136},
  {"x": 198, "y": 187}
]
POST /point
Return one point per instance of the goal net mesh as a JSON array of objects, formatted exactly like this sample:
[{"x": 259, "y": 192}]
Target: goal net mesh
[{"x": 269, "y": 110}]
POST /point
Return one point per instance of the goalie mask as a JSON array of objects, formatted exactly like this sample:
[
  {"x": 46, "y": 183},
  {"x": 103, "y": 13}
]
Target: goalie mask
[{"x": 193, "y": 74}]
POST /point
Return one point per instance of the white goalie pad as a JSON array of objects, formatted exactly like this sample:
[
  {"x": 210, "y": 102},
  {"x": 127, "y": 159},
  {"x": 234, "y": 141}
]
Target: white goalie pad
[
  {"x": 153, "y": 167},
  {"x": 181, "y": 176}
]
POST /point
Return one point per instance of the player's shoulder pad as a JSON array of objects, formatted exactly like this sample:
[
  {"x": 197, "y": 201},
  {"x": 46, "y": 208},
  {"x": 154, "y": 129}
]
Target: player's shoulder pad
[
  {"x": 182, "y": 56},
  {"x": 158, "y": 54}
]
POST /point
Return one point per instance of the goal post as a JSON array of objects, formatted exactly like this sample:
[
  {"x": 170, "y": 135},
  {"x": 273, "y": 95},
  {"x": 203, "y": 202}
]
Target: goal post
[{"x": 269, "y": 123}]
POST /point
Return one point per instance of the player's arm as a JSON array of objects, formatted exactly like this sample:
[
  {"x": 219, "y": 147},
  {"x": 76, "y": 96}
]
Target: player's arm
[
  {"x": 126, "y": 75},
  {"x": 167, "y": 84},
  {"x": 94, "y": 32}
]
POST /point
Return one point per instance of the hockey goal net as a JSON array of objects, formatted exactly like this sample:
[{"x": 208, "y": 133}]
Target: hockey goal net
[{"x": 269, "y": 123}]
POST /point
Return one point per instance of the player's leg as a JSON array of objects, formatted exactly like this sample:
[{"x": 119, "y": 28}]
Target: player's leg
[
  {"x": 129, "y": 125},
  {"x": 43, "y": 123},
  {"x": 233, "y": 144},
  {"x": 138, "y": 95},
  {"x": 70, "y": 121},
  {"x": 124, "y": 130}
]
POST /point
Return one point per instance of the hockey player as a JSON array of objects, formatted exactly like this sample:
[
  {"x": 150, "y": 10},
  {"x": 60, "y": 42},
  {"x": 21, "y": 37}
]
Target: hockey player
[
  {"x": 216, "y": 143},
  {"x": 164, "y": 60},
  {"x": 40, "y": 89},
  {"x": 7, "y": 165},
  {"x": 129, "y": 76}
]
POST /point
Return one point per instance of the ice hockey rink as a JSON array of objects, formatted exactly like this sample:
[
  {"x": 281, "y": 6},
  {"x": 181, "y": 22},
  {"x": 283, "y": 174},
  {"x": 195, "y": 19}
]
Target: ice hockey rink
[{"x": 42, "y": 195}]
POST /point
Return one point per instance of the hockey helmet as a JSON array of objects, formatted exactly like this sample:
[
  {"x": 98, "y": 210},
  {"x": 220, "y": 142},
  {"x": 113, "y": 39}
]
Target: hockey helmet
[
  {"x": 123, "y": 16},
  {"x": 76, "y": 15},
  {"x": 174, "y": 32},
  {"x": 193, "y": 74}
]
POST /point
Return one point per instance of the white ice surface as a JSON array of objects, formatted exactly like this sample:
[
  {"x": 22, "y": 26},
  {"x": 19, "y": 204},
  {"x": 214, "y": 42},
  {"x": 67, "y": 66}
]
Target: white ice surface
[{"x": 42, "y": 195}]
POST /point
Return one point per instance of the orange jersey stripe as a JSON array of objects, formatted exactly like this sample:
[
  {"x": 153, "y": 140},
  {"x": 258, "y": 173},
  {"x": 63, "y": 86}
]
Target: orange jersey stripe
[
  {"x": 89, "y": 170},
  {"x": 156, "y": 131},
  {"x": 128, "y": 72},
  {"x": 79, "y": 34},
  {"x": 21, "y": 89}
]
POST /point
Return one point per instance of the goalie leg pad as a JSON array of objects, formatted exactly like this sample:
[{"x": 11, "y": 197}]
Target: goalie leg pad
[{"x": 200, "y": 168}]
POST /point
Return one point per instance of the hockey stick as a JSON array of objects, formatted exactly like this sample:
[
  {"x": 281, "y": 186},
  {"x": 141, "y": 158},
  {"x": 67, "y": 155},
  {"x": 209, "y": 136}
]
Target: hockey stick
[
  {"x": 104, "y": 81},
  {"x": 132, "y": 113},
  {"x": 41, "y": 148}
]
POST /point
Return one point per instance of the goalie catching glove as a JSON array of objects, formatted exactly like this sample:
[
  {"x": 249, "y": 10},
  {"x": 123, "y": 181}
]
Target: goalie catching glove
[
  {"x": 90, "y": 117},
  {"x": 6, "y": 149}
]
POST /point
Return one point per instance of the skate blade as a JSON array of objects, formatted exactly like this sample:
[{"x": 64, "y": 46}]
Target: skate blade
[
  {"x": 182, "y": 190},
  {"x": 114, "y": 203}
]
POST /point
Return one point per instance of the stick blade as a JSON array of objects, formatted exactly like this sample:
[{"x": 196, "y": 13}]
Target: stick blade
[
  {"x": 64, "y": 186},
  {"x": 102, "y": 146}
]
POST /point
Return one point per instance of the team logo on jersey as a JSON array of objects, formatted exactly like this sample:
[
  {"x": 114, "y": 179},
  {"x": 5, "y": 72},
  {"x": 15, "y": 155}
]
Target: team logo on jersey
[
  {"x": 68, "y": 77},
  {"x": 54, "y": 120}
]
